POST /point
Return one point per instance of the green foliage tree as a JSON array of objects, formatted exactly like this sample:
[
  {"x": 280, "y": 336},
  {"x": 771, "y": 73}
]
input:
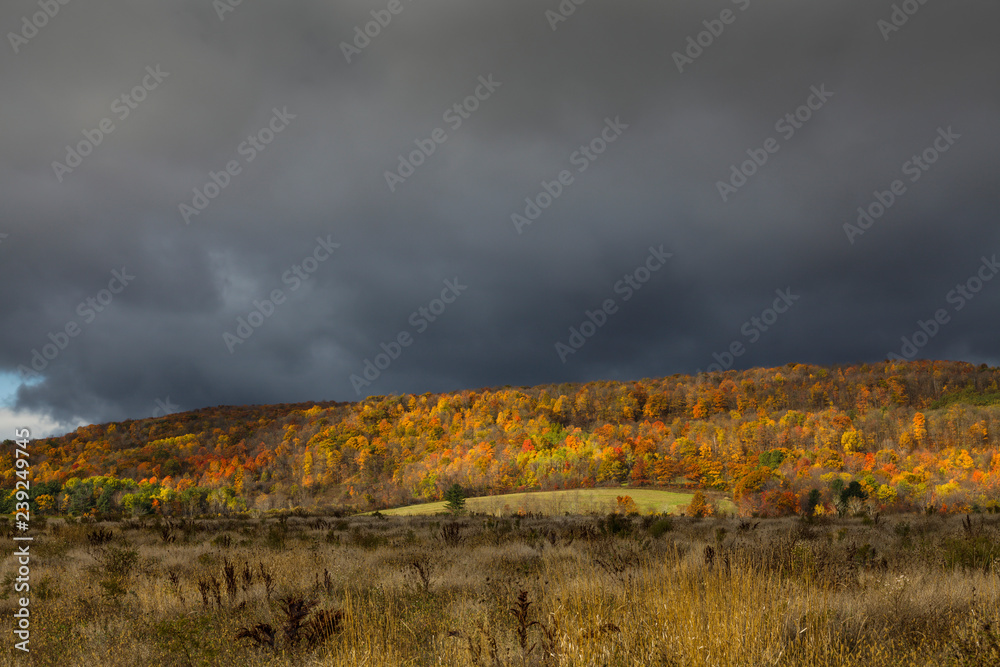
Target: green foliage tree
[
  {"x": 811, "y": 502},
  {"x": 454, "y": 499}
]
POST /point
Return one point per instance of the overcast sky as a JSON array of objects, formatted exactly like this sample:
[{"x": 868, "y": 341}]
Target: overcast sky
[{"x": 632, "y": 139}]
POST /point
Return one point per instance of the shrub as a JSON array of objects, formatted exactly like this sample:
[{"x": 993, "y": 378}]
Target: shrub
[
  {"x": 451, "y": 533},
  {"x": 971, "y": 553},
  {"x": 365, "y": 539},
  {"x": 661, "y": 526},
  {"x": 276, "y": 536},
  {"x": 100, "y": 537},
  {"x": 298, "y": 625},
  {"x": 616, "y": 524},
  {"x": 225, "y": 540},
  {"x": 118, "y": 564}
]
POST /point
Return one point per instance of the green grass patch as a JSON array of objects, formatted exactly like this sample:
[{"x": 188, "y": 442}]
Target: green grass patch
[{"x": 574, "y": 501}]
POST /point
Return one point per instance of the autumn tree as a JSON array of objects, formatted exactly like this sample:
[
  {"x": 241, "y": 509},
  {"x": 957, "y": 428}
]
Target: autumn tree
[
  {"x": 626, "y": 505},
  {"x": 562, "y": 410},
  {"x": 851, "y": 441},
  {"x": 699, "y": 506},
  {"x": 850, "y": 422},
  {"x": 919, "y": 427}
]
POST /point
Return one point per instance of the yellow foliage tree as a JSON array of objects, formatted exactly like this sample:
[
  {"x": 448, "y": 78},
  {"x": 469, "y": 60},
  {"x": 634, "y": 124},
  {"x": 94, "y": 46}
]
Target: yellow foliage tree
[
  {"x": 851, "y": 441},
  {"x": 906, "y": 440},
  {"x": 307, "y": 468},
  {"x": 919, "y": 427},
  {"x": 887, "y": 494},
  {"x": 964, "y": 460},
  {"x": 46, "y": 503}
]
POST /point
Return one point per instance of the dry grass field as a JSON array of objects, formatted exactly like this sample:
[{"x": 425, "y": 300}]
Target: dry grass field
[{"x": 489, "y": 591}]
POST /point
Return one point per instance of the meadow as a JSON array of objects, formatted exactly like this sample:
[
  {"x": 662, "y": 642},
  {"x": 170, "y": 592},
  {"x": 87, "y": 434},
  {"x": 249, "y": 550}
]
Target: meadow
[
  {"x": 573, "y": 501},
  {"x": 601, "y": 589}
]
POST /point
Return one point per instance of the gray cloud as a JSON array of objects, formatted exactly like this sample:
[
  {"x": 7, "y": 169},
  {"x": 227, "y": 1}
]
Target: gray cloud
[{"x": 324, "y": 175}]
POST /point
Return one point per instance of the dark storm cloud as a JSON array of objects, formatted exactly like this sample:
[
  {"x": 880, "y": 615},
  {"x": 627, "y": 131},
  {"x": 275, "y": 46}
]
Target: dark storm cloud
[{"x": 322, "y": 178}]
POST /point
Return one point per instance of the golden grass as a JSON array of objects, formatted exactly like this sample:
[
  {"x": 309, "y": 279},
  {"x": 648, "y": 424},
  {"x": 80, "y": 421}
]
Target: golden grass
[{"x": 524, "y": 591}]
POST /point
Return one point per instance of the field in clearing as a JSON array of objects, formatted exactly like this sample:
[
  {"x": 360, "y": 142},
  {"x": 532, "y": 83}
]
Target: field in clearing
[{"x": 549, "y": 503}]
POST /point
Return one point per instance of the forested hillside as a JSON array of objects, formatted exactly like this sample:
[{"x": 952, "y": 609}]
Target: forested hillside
[{"x": 894, "y": 436}]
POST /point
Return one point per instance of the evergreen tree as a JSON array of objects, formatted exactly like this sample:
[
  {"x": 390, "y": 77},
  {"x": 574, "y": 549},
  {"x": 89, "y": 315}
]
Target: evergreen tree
[{"x": 454, "y": 499}]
